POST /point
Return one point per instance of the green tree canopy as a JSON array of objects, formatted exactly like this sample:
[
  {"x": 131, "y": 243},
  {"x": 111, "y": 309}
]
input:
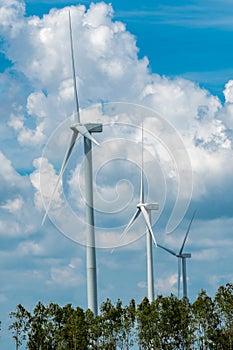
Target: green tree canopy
[{"x": 167, "y": 323}]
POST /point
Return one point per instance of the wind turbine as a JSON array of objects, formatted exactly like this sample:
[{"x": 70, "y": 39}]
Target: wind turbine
[
  {"x": 145, "y": 209},
  {"x": 86, "y": 131},
  {"x": 181, "y": 260}
]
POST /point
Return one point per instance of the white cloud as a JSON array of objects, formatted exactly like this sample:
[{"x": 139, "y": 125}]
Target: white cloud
[
  {"x": 44, "y": 180},
  {"x": 8, "y": 173},
  {"x": 228, "y": 92},
  {"x": 142, "y": 284},
  {"x": 13, "y": 205},
  {"x": 30, "y": 248},
  {"x": 67, "y": 276},
  {"x": 163, "y": 286},
  {"x": 10, "y": 228},
  {"x": 206, "y": 255},
  {"x": 16, "y": 226},
  {"x": 35, "y": 104},
  {"x": 11, "y": 12},
  {"x": 16, "y": 122},
  {"x": 17, "y": 212},
  {"x": 105, "y": 52},
  {"x": 30, "y": 138},
  {"x": 98, "y": 15},
  {"x": 166, "y": 285}
]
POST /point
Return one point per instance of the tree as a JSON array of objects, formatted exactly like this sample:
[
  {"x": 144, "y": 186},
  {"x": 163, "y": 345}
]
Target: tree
[
  {"x": 206, "y": 322},
  {"x": 164, "y": 324},
  {"x": 167, "y": 323},
  {"x": 174, "y": 330},
  {"x": 20, "y": 325},
  {"x": 147, "y": 325},
  {"x": 54, "y": 325},
  {"x": 110, "y": 322},
  {"x": 113, "y": 328},
  {"x": 127, "y": 331},
  {"x": 93, "y": 325},
  {"x": 38, "y": 335},
  {"x": 224, "y": 306},
  {"x": 75, "y": 329}
]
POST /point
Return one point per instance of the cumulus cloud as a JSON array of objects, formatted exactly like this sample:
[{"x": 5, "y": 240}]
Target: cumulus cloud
[
  {"x": 26, "y": 136},
  {"x": 167, "y": 285},
  {"x": 13, "y": 205},
  {"x": 11, "y": 11},
  {"x": 67, "y": 276},
  {"x": 8, "y": 173},
  {"x": 10, "y": 229},
  {"x": 40, "y": 178},
  {"x": 206, "y": 255},
  {"x": 30, "y": 248},
  {"x": 163, "y": 286},
  {"x": 106, "y": 52},
  {"x": 228, "y": 92}
]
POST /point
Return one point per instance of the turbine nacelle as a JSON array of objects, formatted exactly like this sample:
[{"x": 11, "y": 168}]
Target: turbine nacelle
[
  {"x": 149, "y": 206},
  {"x": 184, "y": 255},
  {"x": 86, "y": 129},
  {"x": 91, "y": 127}
]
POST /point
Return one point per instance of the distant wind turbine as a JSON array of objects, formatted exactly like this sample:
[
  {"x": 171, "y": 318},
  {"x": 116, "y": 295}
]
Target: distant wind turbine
[
  {"x": 181, "y": 260},
  {"x": 85, "y": 130},
  {"x": 145, "y": 209}
]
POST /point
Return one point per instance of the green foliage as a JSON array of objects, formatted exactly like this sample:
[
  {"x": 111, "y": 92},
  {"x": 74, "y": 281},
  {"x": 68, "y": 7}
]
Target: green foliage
[
  {"x": 20, "y": 325},
  {"x": 53, "y": 327},
  {"x": 206, "y": 321},
  {"x": 164, "y": 324},
  {"x": 224, "y": 306},
  {"x": 147, "y": 325}
]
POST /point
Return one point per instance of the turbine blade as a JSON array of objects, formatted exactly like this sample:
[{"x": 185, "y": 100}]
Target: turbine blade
[
  {"x": 179, "y": 275},
  {"x": 77, "y": 113},
  {"x": 141, "y": 179},
  {"x": 186, "y": 235},
  {"x": 148, "y": 224},
  {"x": 168, "y": 250},
  {"x": 128, "y": 226},
  {"x": 64, "y": 164},
  {"x": 84, "y": 132}
]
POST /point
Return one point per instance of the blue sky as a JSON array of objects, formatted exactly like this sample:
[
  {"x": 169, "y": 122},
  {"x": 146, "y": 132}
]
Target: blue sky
[{"x": 174, "y": 58}]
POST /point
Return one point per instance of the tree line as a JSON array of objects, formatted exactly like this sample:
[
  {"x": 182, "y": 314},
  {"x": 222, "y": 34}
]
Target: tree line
[{"x": 167, "y": 323}]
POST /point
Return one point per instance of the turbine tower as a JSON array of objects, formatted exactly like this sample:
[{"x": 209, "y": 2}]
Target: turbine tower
[
  {"x": 86, "y": 131},
  {"x": 145, "y": 209},
  {"x": 181, "y": 260}
]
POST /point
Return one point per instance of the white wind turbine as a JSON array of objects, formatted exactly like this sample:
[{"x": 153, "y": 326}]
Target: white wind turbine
[
  {"x": 85, "y": 130},
  {"x": 181, "y": 260},
  {"x": 145, "y": 209}
]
